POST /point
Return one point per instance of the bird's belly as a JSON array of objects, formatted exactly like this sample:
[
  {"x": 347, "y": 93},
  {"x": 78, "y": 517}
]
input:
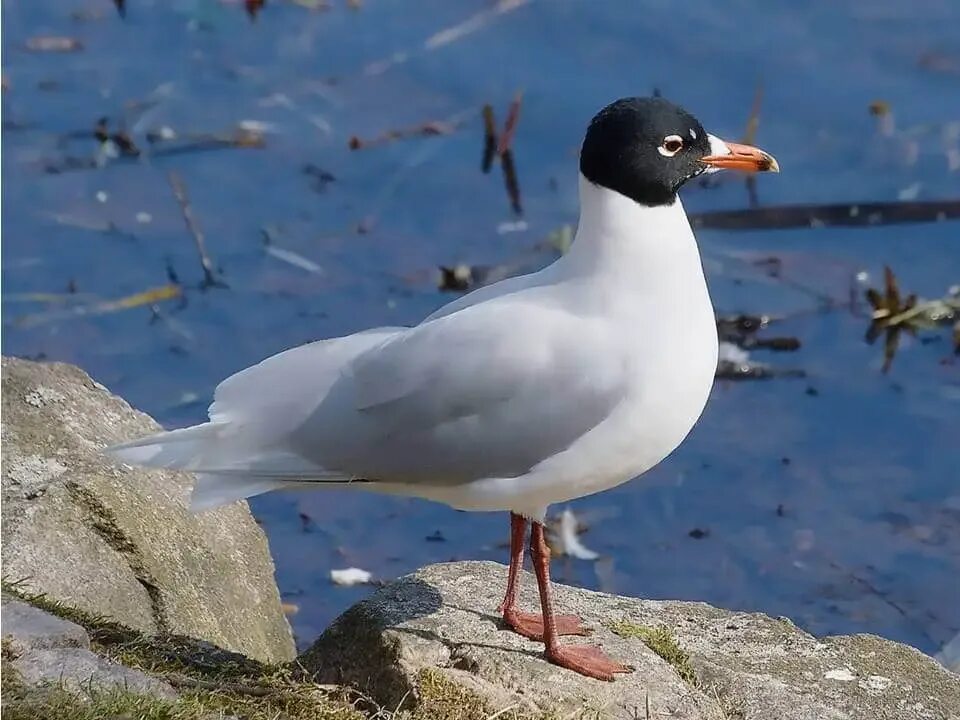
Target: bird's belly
[{"x": 669, "y": 394}]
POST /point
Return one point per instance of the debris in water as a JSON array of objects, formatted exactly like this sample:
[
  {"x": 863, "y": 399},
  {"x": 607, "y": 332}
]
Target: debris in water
[
  {"x": 180, "y": 193},
  {"x": 779, "y": 217},
  {"x": 511, "y": 181},
  {"x": 253, "y": 8},
  {"x": 742, "y": 332},
  {"x": 319, "y": 178},
  {"x": 886, "y": 125},
  {"x": 146, "y": 297},
  {"x": 458, "y": 278},
  {"x": 569, "y": 537},
  {"x": 503, "y": 149},
  {"x": 53, "y": 43},
  {"x": 489, "y": 139},
  {"x": 430, "y": 128},
  {"x": 512, "y": 227},
  {"x": 288, "y": 256},
  {"x": 734, "y": 363},
  {"x": 350, "y": 576},
  {"x": 891, "y": 315}
]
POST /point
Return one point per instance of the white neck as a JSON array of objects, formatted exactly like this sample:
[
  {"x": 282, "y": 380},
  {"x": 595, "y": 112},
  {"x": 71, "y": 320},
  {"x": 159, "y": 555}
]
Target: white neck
[{"x": 618, "y": 236}]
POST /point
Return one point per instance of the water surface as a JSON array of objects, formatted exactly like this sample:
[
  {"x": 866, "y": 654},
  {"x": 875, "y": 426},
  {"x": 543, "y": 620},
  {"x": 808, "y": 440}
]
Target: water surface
[{"x": 832, "y": 499}]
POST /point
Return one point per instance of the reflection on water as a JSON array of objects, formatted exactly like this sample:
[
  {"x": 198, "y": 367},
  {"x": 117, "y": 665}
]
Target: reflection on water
[{"x": 830, "y": 498}]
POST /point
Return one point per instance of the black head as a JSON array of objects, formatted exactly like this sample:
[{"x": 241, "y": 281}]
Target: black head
[{"x": 644, "y": 148}]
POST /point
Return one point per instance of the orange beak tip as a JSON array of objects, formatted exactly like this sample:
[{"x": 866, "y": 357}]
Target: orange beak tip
[{"x": 745, "y": 158}]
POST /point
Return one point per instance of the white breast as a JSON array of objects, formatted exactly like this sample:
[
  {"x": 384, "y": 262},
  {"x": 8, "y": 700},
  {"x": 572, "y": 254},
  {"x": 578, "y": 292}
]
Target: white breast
[{"x": 639, "y": 268}]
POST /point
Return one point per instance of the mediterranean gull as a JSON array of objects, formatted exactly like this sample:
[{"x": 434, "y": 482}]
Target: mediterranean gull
[{"x": 532, "y": 391}]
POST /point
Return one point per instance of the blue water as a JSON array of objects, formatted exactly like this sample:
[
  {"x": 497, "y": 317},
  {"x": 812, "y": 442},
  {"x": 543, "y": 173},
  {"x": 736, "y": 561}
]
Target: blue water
[{"x": 863, "y": 465}]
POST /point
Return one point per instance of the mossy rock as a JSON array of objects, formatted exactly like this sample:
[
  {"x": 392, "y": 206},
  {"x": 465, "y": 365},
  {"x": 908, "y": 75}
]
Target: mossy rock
[
  {"x": 436, "y": 633},
  {"x": 119, "y": 541}
]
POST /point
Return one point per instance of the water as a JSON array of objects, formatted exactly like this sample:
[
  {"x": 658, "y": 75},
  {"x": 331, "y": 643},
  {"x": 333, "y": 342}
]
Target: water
[{"x": 832, "y": 499}]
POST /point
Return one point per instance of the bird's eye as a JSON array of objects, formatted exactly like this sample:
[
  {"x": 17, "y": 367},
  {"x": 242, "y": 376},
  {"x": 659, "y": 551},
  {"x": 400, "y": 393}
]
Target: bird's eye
[{"x": 671, "y": 145}]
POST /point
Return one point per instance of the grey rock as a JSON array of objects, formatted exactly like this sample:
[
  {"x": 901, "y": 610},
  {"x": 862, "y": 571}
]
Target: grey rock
[
  {"x": 119, "y": 541},
  {"x": 28, "y": 628},
  {"x": 949, "y": 655},
  {"x": 82, "y": 671},
  {"x": 748, "y": 666}
]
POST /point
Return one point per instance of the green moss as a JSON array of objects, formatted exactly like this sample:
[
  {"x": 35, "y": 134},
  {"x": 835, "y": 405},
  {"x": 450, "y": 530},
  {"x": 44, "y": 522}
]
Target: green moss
[
  {"x": 663, "y": 643},
  {"x": 214, "y": 683},
  {"x": 442, "y": 699},
  {"x": 211, "y": 682},
  {"x": 54, "y": 703}
]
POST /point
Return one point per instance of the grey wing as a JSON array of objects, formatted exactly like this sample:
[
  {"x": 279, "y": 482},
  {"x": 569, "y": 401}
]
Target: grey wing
[{"x": 489, "y": 391}]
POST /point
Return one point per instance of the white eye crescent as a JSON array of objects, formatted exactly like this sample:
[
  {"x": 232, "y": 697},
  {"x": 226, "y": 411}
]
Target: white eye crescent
[{"x": 671, "y": 145}]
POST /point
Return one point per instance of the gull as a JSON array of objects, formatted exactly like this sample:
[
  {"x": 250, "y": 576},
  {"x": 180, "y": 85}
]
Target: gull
[{"x": 535, "y": 390}]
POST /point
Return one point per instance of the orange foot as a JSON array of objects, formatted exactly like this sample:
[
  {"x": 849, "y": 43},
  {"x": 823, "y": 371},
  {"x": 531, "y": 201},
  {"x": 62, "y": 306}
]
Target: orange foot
[
  {"x": 531, "y": 624},
  {"x": 586, "y": 660}
]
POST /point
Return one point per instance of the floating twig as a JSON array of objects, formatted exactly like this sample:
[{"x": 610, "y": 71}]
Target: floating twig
[
  {"x": 180, "y": 193},
  {"x": 840, "y": 215},
  {"x": 489, "y": 139},
  {"x": 502, "y": 147},
  {"x": 162, "y": 145},
  {"x": 511, "y": 181},
  {"x": 738, "y": 334},
  {"x": 146, "y": 297},
  {"x": 743, "y": 331},
  {"x": 510, "y": 125},
  {"x": 430, "y": 128}
]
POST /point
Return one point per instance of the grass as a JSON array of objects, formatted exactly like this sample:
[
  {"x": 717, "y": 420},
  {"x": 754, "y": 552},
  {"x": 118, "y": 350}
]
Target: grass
[
  {"x": 214, "y": 683},
  {"x": 661, "y": 640},
  {"x": 211, "y": 682}
]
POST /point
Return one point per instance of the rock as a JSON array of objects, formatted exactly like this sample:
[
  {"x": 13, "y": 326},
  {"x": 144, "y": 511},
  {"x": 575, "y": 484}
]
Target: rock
[
  {"x": 28, "y": 628},
  {"x": 119, "y": 541},
  {"x": 949, "y": 655},
  {"x": 81, "y": 671},
  {"x": 440, "y": 624}
]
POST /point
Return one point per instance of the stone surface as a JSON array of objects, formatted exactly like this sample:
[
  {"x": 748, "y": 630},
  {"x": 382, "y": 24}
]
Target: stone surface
[
  {"x": 748, "y": 666},
  {"x": 119, "y": 541},
  {"x": 28, "y": 628},
  {"x": 81, "y": 671}
]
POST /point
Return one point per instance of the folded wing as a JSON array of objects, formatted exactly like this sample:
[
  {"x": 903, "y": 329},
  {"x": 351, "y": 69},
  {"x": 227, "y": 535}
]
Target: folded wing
[{"x": 488, "y": 391}]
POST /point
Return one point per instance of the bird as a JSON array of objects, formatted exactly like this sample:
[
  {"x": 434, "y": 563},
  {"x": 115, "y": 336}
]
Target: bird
[{"x": 534, "y": 390}]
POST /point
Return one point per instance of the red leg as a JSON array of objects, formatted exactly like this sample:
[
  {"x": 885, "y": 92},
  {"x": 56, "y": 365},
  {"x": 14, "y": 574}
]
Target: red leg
[
  {"x": 518, "y": 531},
  {"x": 584, "y": 659},
  {"x": 528, "y": 624}
]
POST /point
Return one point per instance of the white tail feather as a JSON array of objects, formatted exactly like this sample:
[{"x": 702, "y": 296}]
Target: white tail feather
[
  {"x": 245, "y": 449},
  {"x": 212, "y": 490},
  {"x": 175, "y": 449},
  {"x": 227, "y": 469}
]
